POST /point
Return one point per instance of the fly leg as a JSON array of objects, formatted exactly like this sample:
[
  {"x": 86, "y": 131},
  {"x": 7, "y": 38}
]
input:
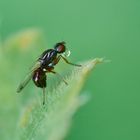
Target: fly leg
[
  {"x": 44, "y": 96},
  {"x": 70, "y": 62},
  {"x": 59, "y": 76}
]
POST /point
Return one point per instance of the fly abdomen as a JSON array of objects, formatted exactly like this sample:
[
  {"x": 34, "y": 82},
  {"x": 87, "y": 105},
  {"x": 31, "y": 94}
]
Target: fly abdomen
[{"x": 39, "y": 78}]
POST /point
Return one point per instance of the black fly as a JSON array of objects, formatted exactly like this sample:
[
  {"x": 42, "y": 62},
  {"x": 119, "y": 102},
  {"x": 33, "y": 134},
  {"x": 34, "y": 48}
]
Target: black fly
[{"x": 45, "y": 64}]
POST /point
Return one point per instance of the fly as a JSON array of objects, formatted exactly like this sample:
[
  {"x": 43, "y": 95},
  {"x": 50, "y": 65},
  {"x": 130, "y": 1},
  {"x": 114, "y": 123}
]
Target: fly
[{"x": 45, "y": 64}]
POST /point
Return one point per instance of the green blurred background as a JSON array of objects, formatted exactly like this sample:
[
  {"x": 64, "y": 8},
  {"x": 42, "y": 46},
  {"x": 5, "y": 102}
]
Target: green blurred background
[{"x": 91, "y": 28}]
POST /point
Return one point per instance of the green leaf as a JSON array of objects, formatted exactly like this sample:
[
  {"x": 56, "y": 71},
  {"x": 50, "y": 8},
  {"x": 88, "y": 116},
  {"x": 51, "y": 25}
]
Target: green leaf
[
  {"x": 52, "y": 121},
  {"x": 22, "y": 116}
]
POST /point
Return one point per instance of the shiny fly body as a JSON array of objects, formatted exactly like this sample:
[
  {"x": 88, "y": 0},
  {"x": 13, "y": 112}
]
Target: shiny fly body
[{"x": 45, "y": 64}]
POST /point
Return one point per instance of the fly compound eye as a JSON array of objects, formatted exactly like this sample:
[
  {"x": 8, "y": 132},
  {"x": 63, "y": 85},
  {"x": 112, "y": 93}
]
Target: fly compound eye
[{"x": 60, "y": 47}]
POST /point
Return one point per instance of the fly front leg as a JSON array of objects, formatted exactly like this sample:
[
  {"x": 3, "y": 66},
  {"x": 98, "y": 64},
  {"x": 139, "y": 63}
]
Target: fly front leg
[
  {"x": 59, "y": 76},
  {"x": 69, "y": 62}
]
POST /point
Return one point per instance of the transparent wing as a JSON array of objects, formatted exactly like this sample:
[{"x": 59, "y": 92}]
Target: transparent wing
[
  {"x": 24, "y": 82},
  {"x": 28, "y": 77}
]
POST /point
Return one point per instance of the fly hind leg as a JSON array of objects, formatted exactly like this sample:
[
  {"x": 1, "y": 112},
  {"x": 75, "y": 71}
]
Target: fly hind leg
[
  {"x": 59, "y": 76},
  {"x": 44, "y": 95}
]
